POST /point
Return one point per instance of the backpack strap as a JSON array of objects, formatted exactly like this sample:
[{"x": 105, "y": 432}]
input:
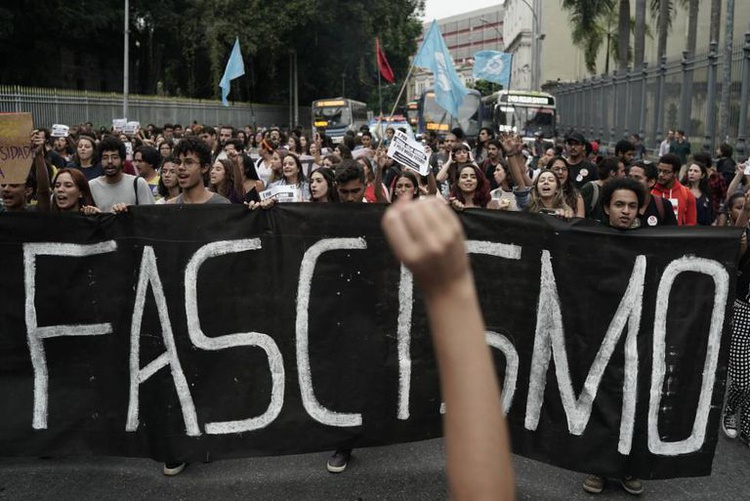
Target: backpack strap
[
  {"x": 594, "y": 196},
  {"x": 660, "y": 207},
  {"x": 135, "y": 188}
]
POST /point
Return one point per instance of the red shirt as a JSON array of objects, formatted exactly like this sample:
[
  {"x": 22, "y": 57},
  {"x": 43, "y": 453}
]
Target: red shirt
[{"x": 683, "y": 202}]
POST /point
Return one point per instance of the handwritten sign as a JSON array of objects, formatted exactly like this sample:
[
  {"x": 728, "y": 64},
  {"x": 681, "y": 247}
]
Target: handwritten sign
[
  {"x": 15, "y": 147},
  {"x": 409, "y": 153}
]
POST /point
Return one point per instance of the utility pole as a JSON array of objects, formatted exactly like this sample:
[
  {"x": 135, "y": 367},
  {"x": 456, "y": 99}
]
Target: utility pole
[{"x": 126, "y": 63}]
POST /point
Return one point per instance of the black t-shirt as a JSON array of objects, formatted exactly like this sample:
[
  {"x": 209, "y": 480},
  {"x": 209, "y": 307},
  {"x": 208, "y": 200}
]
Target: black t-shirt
[
  {"x": 652, "y": 216},
  {"x": 582, "y": 172}
]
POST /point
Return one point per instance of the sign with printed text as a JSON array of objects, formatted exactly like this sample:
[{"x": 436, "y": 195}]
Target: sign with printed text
[
  {"x": 280, "y": 193},
  {"x": 409, "y": 153},
  {"x": 222, "y": 332},
  {"x": 16, "y": 155},
  {"x": 118, "y": 124},
  {"x": 131, "y": 128},
  {"x": 60, "y": 130}
]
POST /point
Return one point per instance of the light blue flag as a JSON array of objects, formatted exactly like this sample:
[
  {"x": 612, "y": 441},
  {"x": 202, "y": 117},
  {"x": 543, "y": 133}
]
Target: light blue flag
[
  {"x": 434, "y": 56},
  {"x": 235, "y": 68},
  {"x": 493, "y": 66}
]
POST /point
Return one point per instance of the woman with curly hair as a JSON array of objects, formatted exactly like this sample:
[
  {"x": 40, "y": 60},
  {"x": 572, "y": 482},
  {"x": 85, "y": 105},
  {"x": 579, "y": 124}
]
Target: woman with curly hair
[{"x": 471, "y": 190}]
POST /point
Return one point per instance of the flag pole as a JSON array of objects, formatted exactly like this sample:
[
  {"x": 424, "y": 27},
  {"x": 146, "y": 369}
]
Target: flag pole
[
  {"x": 380, "y": 85},
  {"x": 400, "y": 93}
]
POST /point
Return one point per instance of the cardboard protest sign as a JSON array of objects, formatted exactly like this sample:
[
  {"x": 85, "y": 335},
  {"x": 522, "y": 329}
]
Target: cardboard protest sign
[
  {"x": 409, "y": 153},
  {"x": 131, "y": 128},
  {"x": 15, "y": 147}
]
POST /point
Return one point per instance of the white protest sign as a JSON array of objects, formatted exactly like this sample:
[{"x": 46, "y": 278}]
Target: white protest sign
[
  {"x": 131, "y": 128},
  {"x": 280, "y": 193},
  {"x": 59, "y": 130},
  {"x": 409, "y": 153},
  {"x": 118, "y": 124}
]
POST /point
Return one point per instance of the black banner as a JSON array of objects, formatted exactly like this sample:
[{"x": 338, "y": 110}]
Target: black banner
[{"x": 177, "y": 332}]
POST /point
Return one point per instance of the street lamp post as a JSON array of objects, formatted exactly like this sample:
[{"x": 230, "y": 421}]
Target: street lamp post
[{"x": 536, "y": 47}]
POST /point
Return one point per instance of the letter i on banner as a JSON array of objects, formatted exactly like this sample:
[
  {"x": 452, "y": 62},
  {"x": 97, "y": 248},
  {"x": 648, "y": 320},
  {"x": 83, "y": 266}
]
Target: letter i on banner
[{"x": 15, "y": 147}]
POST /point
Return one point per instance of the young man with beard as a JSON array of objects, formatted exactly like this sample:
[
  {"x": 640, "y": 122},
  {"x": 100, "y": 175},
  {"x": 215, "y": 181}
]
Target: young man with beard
[
  {"x": 655, "y": 211},
  {"x": 621, "y": 199},
  {"x": 493, "y": 150},
  {"x": 579, "y": 169},
  {"x": 115, "y": 189},
  {"x": 667, "y": 186}
]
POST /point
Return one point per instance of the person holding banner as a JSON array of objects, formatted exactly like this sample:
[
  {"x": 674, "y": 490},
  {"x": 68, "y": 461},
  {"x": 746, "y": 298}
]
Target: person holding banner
[
  {"x": 547, "y": 196},
  {"x": 322, "y": 186},
  {"x": 72, "y": 193},
  {"x": 429, "y": 240},
  {"x": 471, "y": 189},
  {"x": 193, "y": 162}
]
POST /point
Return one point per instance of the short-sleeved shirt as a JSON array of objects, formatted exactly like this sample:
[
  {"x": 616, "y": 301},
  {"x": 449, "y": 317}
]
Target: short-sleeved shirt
[{"x": 124, "y": 192}]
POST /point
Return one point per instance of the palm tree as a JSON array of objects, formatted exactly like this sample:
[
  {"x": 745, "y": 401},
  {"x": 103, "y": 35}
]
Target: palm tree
[
  {"x": 584, "y": 16},
  {"x": 663, "y": 11},
  {"x": 606, "y": 28}
]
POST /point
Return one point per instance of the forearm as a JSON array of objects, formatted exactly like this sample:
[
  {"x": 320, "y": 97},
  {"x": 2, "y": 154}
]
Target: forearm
[
  {"x": 442, "y": 175},
  {"x": 42, "y": 183},
  {"x": 477, "y": 451}
]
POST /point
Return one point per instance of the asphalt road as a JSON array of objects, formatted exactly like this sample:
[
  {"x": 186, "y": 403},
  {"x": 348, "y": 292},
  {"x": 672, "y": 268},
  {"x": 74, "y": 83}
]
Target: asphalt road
[{"x": 401, "y": 472}]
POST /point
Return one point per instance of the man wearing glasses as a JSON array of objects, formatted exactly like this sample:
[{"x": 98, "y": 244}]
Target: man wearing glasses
[
  {"x": 194, "y": 161},
  {"x": 581, "y": 170}
]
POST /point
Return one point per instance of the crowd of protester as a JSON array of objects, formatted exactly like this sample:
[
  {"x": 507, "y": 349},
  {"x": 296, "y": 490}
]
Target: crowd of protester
[{"x": 93, "y": 171}]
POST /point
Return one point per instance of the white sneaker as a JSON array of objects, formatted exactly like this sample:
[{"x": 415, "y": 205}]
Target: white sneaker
[{"x": 729, "y": 425}]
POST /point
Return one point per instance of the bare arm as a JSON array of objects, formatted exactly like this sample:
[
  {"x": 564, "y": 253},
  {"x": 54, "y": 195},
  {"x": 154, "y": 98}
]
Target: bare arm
[
  {"x": 442, "y": 175},
  {"x": 428, "y": 239},
  {"x": 513, "y": 144},
  {"x": 379, "y": 165},
  {"x": 739, "y": 173},
  {"x": 42, "y": 174}
]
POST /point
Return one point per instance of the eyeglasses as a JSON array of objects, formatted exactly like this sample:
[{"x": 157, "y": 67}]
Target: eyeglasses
[{"x": 188, "y": 163}]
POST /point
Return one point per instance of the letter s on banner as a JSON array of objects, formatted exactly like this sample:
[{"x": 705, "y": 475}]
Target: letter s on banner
[
  {"x": 36, "y": 334},
  {"x": 263, "y": 341},
  {"x": 721, "y": 281}
]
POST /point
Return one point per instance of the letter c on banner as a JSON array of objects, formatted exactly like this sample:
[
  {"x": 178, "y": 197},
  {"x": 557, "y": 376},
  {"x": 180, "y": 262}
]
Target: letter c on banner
[
  {"x": 263, "y": 341},
  {"x": 307, "y": 269}
]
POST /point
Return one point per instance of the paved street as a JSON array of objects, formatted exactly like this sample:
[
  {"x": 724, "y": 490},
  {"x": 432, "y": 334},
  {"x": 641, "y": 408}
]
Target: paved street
[{"x": 401, "y": 472}]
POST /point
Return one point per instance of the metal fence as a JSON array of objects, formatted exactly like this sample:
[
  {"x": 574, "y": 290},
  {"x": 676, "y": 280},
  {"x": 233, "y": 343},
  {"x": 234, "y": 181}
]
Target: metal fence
[
  {"x": 678, "y": 94},
  {"x": 50, "y": 106}
]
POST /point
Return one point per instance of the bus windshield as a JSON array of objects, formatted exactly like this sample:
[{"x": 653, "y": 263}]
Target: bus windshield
[
  {"x": 331, "y": 116},
  {"x": 526, "y": 121}
]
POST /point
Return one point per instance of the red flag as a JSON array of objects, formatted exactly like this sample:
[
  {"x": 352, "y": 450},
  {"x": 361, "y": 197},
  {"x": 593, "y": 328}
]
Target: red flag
[{"x": 383, "y": 66}]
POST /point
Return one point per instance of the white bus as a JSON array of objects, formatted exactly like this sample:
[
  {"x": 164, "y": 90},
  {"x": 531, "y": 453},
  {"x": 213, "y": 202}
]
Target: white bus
[
  {"x": 523, "y": 112},
  {"x": 338, "y": 115}
]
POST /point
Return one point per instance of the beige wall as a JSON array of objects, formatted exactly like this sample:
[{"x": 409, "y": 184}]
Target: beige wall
[{"x": 561, "y": 59}]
